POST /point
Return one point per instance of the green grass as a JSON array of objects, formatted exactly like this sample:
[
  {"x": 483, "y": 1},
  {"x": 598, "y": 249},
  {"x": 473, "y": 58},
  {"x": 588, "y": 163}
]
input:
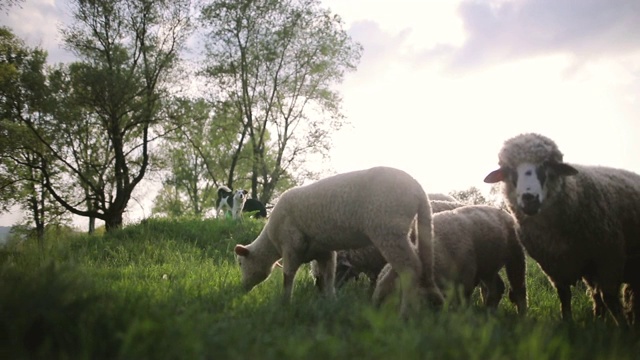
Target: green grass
[{"x": 169, "y": 289}]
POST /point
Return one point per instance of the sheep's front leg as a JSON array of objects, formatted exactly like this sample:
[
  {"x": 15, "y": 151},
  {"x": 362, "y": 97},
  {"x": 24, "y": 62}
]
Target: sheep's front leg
[
  {"x": 327, "y": 266},
  {"x": 564, "y": 293},
  {"x": 289, "y": 269}
]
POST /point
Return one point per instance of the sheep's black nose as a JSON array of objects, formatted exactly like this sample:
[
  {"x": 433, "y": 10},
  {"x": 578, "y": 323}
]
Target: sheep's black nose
[{"x": 530, "y": 203}]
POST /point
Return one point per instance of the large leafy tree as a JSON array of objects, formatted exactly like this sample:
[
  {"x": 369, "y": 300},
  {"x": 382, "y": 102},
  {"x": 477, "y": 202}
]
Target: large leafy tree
[
  {"x": 112, "y": 98},
  {"x": 190, "y": 181},
  {"x": 197, "y": 155},
  {"x": 277, "y": 62},
  {"x": 24, "y": 102}
]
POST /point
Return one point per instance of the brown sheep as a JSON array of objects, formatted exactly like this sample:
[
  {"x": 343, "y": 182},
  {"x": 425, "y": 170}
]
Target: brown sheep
[
  {"x": 471, "y": 245},
  {"x": 368, "y": 260}
]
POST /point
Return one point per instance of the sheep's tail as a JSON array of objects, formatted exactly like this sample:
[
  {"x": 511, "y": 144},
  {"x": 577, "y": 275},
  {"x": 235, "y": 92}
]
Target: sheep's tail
[
  {"x": 516, "y": 271},
  {"x": 424, "y": 229}
]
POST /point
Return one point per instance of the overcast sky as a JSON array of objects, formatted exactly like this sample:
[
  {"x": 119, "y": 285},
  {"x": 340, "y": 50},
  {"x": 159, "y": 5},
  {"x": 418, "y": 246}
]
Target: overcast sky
[{"x": 443, "y": 83}]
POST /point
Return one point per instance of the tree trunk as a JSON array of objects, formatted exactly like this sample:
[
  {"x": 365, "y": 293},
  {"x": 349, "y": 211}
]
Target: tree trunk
[
  {"x": 90, "y": 207},
  {"x": 40, "y": 234},
  {"x": 113, "y": 221},
  {"x": 92, "y": 224}
]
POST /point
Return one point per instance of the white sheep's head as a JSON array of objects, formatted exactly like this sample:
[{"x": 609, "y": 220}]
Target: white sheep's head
[
  {"x": 254, "y": 269},
  {"x": 527, "y": 184}
]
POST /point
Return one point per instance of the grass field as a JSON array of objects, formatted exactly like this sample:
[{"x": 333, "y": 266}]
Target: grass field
[{"x": 169, "y": 289}]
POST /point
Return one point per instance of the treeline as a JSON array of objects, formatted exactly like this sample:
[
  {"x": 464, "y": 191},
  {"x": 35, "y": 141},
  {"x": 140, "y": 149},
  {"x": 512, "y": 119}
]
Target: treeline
[{"x": 198, "y": 95}]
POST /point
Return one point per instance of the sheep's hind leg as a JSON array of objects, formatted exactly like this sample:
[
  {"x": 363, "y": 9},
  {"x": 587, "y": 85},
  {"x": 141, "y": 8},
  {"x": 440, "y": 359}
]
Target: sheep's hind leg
[
  {"x": 611, "y": 298},
  {"x": 599, "y": 308},
  {"x": 493, "y": 291},
  {"x": 608, "y": 285},
  {"x": 632, "y": 303},
  {"x": 384, "y": 286},
  {"x": 404, "y": 260}
]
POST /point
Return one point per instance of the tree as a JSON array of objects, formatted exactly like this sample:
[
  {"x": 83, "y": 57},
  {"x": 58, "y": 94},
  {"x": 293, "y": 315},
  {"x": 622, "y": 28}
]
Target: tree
[
  {"x": 197, "y": 155},
  {"x": 472, "y": 196},
  {"x": 24, "y": 102},
  {"x": 112, "y": 100},
  {"x": 169, "y": 202},
  {"x": 276, "y": 62}
]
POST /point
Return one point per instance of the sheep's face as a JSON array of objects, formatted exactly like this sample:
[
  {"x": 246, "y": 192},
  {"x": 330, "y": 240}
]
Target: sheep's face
[
  {"x": 254, "y": 271},
  {"x": 528, "y": 183}
]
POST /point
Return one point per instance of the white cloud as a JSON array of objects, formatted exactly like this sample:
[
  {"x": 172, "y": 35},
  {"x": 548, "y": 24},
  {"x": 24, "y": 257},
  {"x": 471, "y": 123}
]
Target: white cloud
[
  {"x": 441, "y": 108},
  {"x": 499, "y": 31},
  {"x": 37, "y": 23}
]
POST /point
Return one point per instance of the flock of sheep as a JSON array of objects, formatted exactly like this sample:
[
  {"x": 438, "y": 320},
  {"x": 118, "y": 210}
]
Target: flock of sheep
[{"x": 577, "y": 222}]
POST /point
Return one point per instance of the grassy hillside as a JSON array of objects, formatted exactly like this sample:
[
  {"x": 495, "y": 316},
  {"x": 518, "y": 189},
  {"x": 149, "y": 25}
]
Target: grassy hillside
[{"x": 170, "y": 290}]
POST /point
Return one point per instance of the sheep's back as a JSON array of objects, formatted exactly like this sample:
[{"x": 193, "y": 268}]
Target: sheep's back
[
  {"x": 346, "y": 207},
  {"x": 485, "y": 229},
  {"x": 600, "y": 204}
]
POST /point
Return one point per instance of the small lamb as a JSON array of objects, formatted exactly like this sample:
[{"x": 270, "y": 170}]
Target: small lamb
[
  {"x": 368, "y": 260},
  {"x": 471, "y": 244},
  {"x": 376, "y": 206}
]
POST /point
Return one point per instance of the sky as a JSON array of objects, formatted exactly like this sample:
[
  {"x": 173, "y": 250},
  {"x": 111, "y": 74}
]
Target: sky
[{"x": 443, "y": 83}]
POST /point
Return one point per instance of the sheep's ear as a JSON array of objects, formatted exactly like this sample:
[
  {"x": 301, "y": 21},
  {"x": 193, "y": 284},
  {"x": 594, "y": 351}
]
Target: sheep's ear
[
  {"x": 242, "y": 250},
  {"x": 495, "y": 176},
  {"x": 245, "y": 192},
  {"x": 562, "y": 169}
]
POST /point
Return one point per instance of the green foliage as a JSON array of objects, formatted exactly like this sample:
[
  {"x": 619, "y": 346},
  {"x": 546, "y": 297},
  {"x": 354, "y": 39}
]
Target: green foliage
[
  {"x": 168, "y": 288},
  {"x": 25, "y": 104},
  {"x": 277, "y": 62},
  {"x": 87, "y": 127},
  {"x": 198, "y": 154},
  {"x": 470, "y": 196}
]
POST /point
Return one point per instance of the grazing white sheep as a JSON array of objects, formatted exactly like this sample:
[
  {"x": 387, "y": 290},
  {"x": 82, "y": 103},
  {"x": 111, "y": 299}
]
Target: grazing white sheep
[
  {"x": 377, "y": 206},
  {"x": 471, "y": 244},
  {"x": 577, "y": 221},
  {"x": 368, "y": 260}
]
